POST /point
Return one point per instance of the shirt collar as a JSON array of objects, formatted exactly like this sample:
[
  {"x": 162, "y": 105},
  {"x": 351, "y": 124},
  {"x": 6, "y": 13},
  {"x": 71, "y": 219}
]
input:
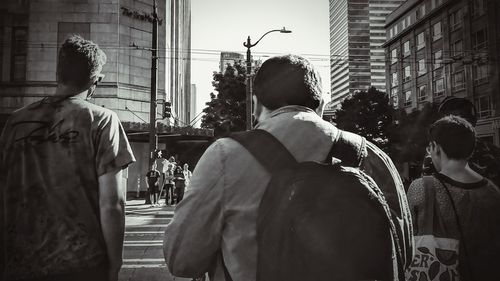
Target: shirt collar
[{"x": 290, "y": 108}]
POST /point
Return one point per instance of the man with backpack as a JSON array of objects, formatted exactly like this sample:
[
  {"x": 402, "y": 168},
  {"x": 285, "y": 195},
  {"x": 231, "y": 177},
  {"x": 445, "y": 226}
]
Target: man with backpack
[{"x": 222, "y": 227}]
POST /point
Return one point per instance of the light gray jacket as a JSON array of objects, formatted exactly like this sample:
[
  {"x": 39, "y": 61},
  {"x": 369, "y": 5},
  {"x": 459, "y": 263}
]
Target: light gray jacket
[{"x": 219, "y": 212}]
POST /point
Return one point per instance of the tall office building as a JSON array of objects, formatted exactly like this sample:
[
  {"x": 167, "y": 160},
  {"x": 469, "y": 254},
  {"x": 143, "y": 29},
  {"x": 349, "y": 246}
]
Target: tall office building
[
  {"x": 357, "y": 57},
  {"x": 180, "y": 59},
  {"x": 192, "y": 104}
]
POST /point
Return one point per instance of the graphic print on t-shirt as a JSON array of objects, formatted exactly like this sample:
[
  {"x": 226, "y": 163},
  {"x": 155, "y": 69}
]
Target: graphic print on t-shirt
[{"x": 37, "y": 132}]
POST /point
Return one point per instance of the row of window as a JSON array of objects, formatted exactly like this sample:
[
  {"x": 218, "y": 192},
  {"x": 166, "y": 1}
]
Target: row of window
[
  {"x": 479, "y": 42},
  {"x": 19, "y": 45},
  {"x": 479, "y": 72},
  {"x": 406, "y": 22},
  {"x": 437, "y": 62},
  {"x": 422, "y": 94},
  {"x": 456, "y": 18},
  {"x": 483, "y": 104},
  {"x": 19, "y": 53}
]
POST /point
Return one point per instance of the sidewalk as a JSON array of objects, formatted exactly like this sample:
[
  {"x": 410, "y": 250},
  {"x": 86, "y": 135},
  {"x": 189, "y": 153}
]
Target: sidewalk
[{"x": 143, "y": 245}]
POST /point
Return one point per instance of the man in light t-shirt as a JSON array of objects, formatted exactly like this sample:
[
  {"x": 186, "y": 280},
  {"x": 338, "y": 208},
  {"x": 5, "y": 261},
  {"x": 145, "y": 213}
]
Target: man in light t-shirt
[{"x": 62, "y": 214}]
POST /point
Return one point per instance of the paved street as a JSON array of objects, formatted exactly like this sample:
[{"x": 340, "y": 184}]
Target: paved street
[{"x": 143, "y": 246}]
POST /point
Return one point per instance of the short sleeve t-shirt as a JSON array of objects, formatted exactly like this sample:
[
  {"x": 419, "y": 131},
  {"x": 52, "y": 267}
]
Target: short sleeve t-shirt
[
  {"x": 52, "y": 153},
  {"x": 153, "y": 177},
  {"x": 478, "y": 210},
  {"x": 179, "y": 175}
]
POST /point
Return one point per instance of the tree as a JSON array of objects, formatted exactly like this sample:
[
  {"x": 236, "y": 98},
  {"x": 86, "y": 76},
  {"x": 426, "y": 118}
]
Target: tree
[
  {"x": 408, "y": 136},
  {"x": 225, "y": 112},
  {"x": 367, "y": 113}
]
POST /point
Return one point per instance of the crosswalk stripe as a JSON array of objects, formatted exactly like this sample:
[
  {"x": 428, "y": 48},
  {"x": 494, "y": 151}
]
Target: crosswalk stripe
[
  {"x": 143, "y": 245},
  {"x": 143, "y": 241},
  {"x": 160, "y": 260},
  {"x": 144, "y": 232},
  {"x": 149, "y": 217},
  {"x": 146, "y": 225},
  {"x": 144, "y": 265}
]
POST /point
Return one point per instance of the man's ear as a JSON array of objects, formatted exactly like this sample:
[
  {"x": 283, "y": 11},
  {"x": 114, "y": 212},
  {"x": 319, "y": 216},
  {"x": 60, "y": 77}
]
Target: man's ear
[
  {"x": 438, "y": 148},
  {"x": 321, "y": 108},
  {"x": 256, "y": 106},
  {"x": 91, "y": 85}
]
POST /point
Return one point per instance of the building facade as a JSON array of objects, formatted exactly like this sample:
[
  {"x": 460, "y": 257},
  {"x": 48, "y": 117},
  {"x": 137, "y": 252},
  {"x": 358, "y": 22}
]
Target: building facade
[
  {"x": 32, "y": 31},
  {"x": 193, "y": 105},
  {"x": 230, "y": 58},
  {"x": 357, "y": 34},
  {"x": 179, "y": 59},
  {"x": 440, "y": 48}
]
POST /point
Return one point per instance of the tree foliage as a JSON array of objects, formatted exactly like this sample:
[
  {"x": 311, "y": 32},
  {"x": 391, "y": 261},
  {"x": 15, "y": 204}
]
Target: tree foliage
[
  {"x": 225, "y": 112},
  {"x": 367, "y": 113},
  {"x": 404, "y": 136},
  {"x": 409, "y": 136}
]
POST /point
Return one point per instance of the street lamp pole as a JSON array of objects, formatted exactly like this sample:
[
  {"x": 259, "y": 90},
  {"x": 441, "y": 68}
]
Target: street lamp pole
[
  {"x": 153, "y": 138},
  {"x": 248, "y": 44}
]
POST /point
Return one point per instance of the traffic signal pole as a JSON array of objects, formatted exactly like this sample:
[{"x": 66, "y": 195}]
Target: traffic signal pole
[
  {"x": 153, "y": 138},
  {"x": 248, "y": 96}
]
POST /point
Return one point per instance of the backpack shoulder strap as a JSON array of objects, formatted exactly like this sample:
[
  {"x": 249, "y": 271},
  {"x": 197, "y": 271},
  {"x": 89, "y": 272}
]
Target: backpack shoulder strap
[
  {"x": 268, "y": 150},
  {"x": 349, "y": 148}
]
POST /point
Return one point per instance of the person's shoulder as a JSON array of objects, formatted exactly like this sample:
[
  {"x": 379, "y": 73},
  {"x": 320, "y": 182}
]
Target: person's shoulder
[
  {"x": 227, "y": 145},
  {"x": 20, "y": 113},
  {"x": 223, "y": 149},
  {"x": 415, "y": 192},
  {"x": 96, "y": 111},
  {"x": 416, "y": 183},
  {"x": 492, "y": 186}
]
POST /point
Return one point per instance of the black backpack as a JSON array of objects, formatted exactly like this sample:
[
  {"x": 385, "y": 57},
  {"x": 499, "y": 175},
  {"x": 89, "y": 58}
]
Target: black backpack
[{"x": 322, "y": 221}]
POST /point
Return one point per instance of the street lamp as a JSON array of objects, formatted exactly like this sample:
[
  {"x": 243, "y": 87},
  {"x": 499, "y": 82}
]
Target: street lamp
[{"x": 249, "y": 45}]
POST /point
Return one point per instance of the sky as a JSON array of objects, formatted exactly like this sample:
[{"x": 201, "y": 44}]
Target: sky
[{"x": 223, "y": 25}]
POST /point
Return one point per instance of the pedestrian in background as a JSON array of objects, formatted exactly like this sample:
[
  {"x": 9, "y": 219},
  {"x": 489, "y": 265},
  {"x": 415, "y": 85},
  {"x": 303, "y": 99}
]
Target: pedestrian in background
[
  {"x": 62, "y": 214},
  {"x": 187, "y": 175},
  {"x": 153, "y": 179},
  {"x": 172, "y": 161},
  {"x": 169, "y": 184},
  {"x": 180, "y": 184},
  {"x": 456, "y": 211}
]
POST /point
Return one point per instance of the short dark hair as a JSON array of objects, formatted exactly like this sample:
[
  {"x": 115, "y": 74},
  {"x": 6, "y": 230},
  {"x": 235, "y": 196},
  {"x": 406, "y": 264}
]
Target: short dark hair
[
  {"x": 288, "y": 80},
  {"x": 79, "y": 60},
  {"x": 458, "y": 106},
  {"x": 455, "y": 135}
]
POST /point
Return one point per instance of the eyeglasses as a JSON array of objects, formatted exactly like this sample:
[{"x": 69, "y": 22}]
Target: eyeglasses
[{"x": 99, "y": 78}]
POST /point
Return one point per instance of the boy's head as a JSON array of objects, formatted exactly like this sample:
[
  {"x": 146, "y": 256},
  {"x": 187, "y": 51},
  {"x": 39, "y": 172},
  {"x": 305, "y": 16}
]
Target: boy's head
[{"x": 452, "y": 135}]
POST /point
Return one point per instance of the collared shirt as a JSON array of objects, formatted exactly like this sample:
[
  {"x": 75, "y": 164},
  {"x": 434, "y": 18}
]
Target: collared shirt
[
  {"x": 52, "y": 153},
  {"x": 220, "y": 209}
]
